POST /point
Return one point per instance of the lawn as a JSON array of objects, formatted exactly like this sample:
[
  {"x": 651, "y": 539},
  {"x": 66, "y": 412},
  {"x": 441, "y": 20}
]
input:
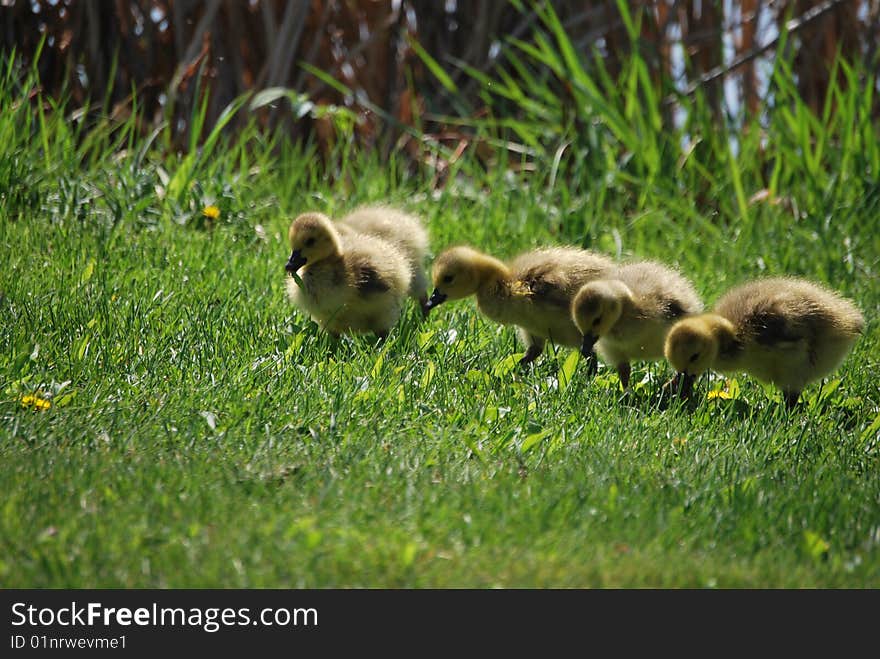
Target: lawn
[{"x": 201, "y": 432}]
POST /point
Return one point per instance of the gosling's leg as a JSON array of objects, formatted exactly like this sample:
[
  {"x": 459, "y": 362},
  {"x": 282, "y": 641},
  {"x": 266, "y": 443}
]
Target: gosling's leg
[
  {"x": 681, "y": 385},
  {"x": 534, "y": 348},
  {"x": 381, "y": 330},
  {"x": 532, "y": 353},
  {"x": 623, "y": 372},
  {"x": 791, "y": 399}
]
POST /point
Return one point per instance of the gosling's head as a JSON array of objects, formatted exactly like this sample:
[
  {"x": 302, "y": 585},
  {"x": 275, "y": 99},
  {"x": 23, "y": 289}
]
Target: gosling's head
[
  {"x": 597, "y": 307},
  {"x": 312, "y": 238},
  {"x": 691, "y": 348},
  {"x": 456, "y": 275},
  {"x": 692, "y": 344}
]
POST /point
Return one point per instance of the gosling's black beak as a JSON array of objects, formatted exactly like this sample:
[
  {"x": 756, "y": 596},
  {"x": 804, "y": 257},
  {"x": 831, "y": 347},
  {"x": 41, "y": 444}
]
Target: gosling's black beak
[
  {"x": 295, "y": 262},
  {"x": 587, "y": 345},
  {"x": 684, "y": 384},
  {"x": 437, "y": 298}
]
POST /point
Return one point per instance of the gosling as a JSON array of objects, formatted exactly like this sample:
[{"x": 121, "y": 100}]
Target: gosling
[
  {"x": 784, "y": 331},
  {"x": 628, "y": 314},
  {"x": 533, "y": 292},
  {"x": 348, "y": 282}
]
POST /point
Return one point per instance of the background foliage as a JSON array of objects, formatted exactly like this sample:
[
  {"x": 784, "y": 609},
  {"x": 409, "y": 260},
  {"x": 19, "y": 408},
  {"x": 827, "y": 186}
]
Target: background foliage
[{"x": 159, "y": 57}]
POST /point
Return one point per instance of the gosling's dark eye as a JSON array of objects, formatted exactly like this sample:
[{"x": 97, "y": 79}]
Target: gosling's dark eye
[
  {"x": 596, "y": 322},
  {"x": 309, "y": 242},
  {"x": 694, "y": 357},
  {"x": 447, "y": 279}
]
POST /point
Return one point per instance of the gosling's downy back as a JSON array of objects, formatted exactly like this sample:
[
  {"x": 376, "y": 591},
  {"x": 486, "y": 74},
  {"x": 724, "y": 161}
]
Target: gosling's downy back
[
  {"x": 403, "y": 230},
  {"x": 397, "y": 227},
  {"x": 786, "y": 309},
  {"x": 555, "y": 274},
  {"x": 658, "y": 291}
]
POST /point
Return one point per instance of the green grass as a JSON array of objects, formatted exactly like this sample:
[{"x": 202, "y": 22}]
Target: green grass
[{"x": 203, "y": 433}]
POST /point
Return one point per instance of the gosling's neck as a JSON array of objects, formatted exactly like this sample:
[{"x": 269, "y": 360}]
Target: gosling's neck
[
  {"x": 334, "y": 255},
  {"x": 629, "y": 307},
  {"x": 729, "y": 346},
  {"x": 336, "y": 240},
  {"x": 490, "y": 273}
]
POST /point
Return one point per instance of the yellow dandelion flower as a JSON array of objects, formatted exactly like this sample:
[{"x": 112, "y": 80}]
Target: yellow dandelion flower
[
  {"x": 720, "y": 393},
  {"x": 211, "y": 212},
  {"x": 35, "y": 402}
]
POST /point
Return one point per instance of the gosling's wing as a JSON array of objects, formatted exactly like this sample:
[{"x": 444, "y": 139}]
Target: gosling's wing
[
  {"x": 404, "y": 230},
  {"x": 375, "y": 266},
  {"x": 671, "y": 309},
  {"x": 787, "y": 324},
  {"x": 554, "y": 275},
  {"x": 368, "y": 280},
  {"x": 545, "y": 285},
  {"x": 770, "y": 327}
]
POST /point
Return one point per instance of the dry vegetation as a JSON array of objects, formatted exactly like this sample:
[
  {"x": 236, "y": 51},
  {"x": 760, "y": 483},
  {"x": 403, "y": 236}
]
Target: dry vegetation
[{"x": 158, "y": 48}]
